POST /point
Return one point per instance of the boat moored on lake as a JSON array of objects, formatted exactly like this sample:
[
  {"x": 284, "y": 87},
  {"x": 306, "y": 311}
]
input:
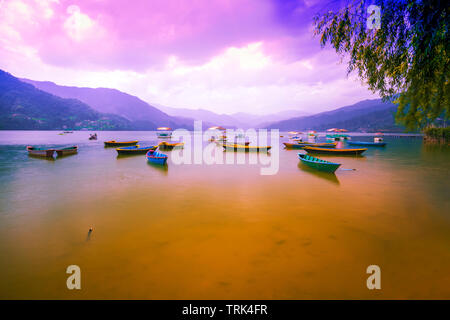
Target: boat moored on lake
[
  {"x": 114, "y": 143},
  {"x": 332, "y": 151},
  {"x": 135, "y": 150},
  {"x": 319, "y": 164},
  {"x": 164, "y": 132},
  {"x": 367, "y": 143},
  {"x": 156, "y": 157},
  {"x": 66, "y": 151},
  {"x": 170, "y": 146},
  {"x": 338, "y": 136},
  {"x": 40, "y": 152},
  {"x": 246, "y": 148},
  {"x": 294, "y": 135},
  {"x": 301, "y": 145}
]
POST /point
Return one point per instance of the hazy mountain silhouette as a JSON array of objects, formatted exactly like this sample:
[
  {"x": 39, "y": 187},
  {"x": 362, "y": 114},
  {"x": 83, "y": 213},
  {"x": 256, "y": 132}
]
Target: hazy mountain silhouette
[
  {"x": 119, "y": 110},
  {"x": 142, "y": 115},
  {"x": 239, "y": 120},
  {"x": 22, "y": 106},
  {"x": 366, "y": 115}
]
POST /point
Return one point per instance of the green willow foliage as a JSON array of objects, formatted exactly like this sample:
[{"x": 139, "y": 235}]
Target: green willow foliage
[
  {"x": 441, "y": 134},
  {"x": 406, "y": 60}
]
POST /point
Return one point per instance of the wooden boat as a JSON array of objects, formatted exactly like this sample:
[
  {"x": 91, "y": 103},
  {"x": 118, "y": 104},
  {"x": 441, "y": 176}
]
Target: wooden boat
[
  {"x": 170, "y": 146},
  {"x": 338, "y": 136},
  {"x": 294, "y": 145},
  {"x": 67, "y": 151},
  {"x": 135, "y": 149},
  {"x": 164, "y": 132},
  {"x": 334, "y": 151},
  {"x": 114, "y": 143},
  {"x": 156, "y": 157},
  {"x": 378, "y": 139},
  {"x": 301, "y": 145},
  {"x": 164, "y": 135},
  {"x": 241, "y": 147},
  {"x": 40, "y": 152},
  {"x": 367, "y": 143},
  {"x": 318, "y": 164},
  {"x": 220, "y": 139},
  {"x": 239, "y": 143},
  {"x": 222, "y": 143}
]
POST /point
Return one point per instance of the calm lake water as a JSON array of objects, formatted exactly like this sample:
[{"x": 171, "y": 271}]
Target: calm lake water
[{"x": 221, "y": 231}]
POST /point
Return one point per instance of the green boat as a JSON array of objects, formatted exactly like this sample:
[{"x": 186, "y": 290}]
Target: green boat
[{"x": 318, "y": 164}]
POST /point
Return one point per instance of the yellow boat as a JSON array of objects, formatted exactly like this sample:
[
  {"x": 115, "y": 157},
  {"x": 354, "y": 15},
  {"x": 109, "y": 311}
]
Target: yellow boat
[
  {"x": 114, "y": 143},
  {"x": 241, "y": 147},
  {"x": 170, "y": 146},
  {"x": 301, "y": 145}
]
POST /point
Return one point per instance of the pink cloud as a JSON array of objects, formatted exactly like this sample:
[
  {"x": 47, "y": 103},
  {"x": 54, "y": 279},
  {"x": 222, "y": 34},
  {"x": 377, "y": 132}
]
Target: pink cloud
[
  {"x": 139, "y": 34},
  {"x": 254, "y": 55}
]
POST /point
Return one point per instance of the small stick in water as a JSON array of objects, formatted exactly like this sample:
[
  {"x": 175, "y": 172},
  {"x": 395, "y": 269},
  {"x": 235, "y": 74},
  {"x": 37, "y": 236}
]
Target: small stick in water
[{"x": 89, "y": 234}]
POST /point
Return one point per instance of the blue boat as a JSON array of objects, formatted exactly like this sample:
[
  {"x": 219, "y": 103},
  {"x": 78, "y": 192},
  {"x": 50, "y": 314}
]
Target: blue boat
[
  {"x": 156, "y": 157},
  {"x": 318, "y": 164},
  {"x": 135, "y": 150},
  {"x": 366, "y": 143}
]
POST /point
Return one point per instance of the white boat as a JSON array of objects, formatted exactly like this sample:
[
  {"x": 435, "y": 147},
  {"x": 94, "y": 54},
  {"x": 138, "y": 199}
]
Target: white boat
[{"x": 164, "y": 132}]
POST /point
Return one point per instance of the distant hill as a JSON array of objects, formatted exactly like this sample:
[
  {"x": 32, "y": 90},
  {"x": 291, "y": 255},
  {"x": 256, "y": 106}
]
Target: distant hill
[
  {"x": 142, "y": 115},
  {"x": 235, "y": 120},
  {"x": 22, "y": 106},
  {"x": 366, "y": 115},
  {"x": 204, "y": 115}
]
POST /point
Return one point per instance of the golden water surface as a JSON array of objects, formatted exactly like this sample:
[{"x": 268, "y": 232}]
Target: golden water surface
[{"x": 222, "y": 231}]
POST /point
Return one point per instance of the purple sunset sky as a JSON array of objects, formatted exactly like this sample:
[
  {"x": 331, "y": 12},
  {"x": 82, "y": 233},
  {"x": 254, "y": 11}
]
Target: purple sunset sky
[{"x": 254, "y": 56}]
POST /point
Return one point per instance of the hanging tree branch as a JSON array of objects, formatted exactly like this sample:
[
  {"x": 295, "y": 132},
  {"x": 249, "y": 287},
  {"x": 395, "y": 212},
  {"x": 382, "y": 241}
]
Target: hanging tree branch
[{"x": 406, "y": 60}]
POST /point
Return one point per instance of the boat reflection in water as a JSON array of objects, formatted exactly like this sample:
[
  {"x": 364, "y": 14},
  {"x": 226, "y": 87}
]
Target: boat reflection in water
[
  {"x": 164, "y": 169},
  {"x": 33, "y": 156},
  {"x": 331, "y": 177},
  {"x": 126, "y": 156}
]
